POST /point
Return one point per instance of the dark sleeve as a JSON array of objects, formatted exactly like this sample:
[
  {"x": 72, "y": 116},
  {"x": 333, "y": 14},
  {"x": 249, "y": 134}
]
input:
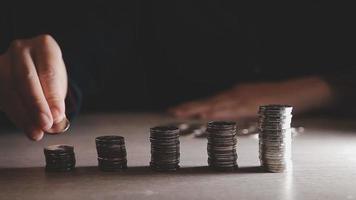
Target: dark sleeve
[
  {"x": 73, "y": 100},
  {"x": 5, "y": 123},
  {"x": 6, "y": 28},
  {"x": 5, "y": 38}
]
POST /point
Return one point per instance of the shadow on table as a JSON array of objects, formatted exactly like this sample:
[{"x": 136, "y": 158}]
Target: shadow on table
[{"x": 90, "y": 171}]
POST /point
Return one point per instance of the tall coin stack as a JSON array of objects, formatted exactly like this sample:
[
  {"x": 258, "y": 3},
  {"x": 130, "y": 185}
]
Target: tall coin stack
[
  {"x": 275, "y": 138},
  {"x": 165, "y": 151},
  {"x": 59, "y": 158},
  {"x": 222, "y": 140},
  {"x": 112, "y": 154}
]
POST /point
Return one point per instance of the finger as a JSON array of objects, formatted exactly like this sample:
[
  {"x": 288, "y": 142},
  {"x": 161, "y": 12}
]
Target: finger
[
  {"x": 232, "y": 112},
  {"x": 16, "y": 112},
  {"x": 197, "y": 107},
  {"x": 28, "y": 87},
  {"x": 34, "y": 133},
  {"x": 12, "y": 104},
  {"x": 220, "y": 108},
  {"x": 6, "y": 90},
  {"x": 190, "y": 109},
  {"x": 222, "y": 96},
  {"x": 221, "y": 114},
  {"x": 223, "y": 104},
  {"x": 52, "y": 74}
]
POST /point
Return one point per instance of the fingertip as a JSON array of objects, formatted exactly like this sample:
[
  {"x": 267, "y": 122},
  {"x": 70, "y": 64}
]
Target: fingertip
[
  {"x": 175, "y": 112},
  {"x": 35, "y": 135},
  {"x": 57, "y": 115},
  {"x": 60, "y": 127},
  {"x": 203, "y": 116},
  {"x": 211, "y": 115},
  {"x": 45, "y": 121},
  {"x": 182, "y": 113},
  {"x": 38, "y": 137}
]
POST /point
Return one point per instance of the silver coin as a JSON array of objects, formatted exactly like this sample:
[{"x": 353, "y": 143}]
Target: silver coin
[
  {"x": 277, "y": 169},
  {"x": 275, "y": 161},
  {"x": 276, "y": 133},
  {"x": 275, "y": 148},
  {"x": 266, "y": 127},
  {"x": 274, "y": 122},
  {"x": 59, "y": 148},
  {"x": 286, "y": 108},
  {"x": 275, "y": 137},
  {"x": 277, "y": 165},
  {"x": 276, "y": 156},
  {"x": 275, "y": 112},
  {"x": 60, "y": 127},
  {"x": 275, "y": 116}
]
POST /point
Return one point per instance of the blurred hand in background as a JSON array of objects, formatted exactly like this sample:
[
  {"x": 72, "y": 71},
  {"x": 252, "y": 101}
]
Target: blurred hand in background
[{"x": 243, "y": 101}]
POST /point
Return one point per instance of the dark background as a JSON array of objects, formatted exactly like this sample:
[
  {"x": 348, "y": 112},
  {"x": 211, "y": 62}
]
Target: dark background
[{"x": 154, "y": 54}]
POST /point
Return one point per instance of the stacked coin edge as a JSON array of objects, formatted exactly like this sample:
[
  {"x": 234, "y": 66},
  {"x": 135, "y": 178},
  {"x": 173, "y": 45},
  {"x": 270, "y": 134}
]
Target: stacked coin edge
[
  {"x": 221, "y": 147},
  {"x": 111, "y": 151},
  {"x": 59, "y": 158},
  {"x": 275, "y": 137},
  {"x": 165, "y": 148}
]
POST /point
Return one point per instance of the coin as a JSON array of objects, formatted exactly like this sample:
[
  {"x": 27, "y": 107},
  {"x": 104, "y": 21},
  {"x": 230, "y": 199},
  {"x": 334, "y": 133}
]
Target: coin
[
  {"x": 59, "y": 157},
  {"x": 275, "y": 137},
  {"x": 165, "y": 148},
  {"x": 221, "y": 147},
  {"x": 60, "y": 127},
  {"x": 111, "y": 150}
]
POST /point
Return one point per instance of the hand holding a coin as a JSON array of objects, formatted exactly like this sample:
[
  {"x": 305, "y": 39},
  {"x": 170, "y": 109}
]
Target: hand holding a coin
[
  {"x": 33, "y": 85},
  {"x": 242, "y": 101}
]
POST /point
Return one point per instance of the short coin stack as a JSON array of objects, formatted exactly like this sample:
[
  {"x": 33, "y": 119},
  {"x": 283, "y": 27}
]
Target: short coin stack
[
  {"x": 112, "y": 154},
  {"x": 59, "y": 158},
  {"x": 164, "y": 148},
  {"x": 275, "y": 138},
  {"x": 222, "y": 140}
]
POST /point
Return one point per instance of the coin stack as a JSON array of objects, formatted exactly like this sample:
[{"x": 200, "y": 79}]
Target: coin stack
[
  {"x": 275, "y": 138},
  {"x": 59, "y": 158},
  {"x": 222, "y": 140},
  {"x": 112, "y": 154},
  {"x": 164, "y": 148}
]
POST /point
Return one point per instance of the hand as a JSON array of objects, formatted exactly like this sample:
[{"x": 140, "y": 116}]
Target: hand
[
  {"x": 33, "y": 84},
  {"x": 243, "y": 101}
]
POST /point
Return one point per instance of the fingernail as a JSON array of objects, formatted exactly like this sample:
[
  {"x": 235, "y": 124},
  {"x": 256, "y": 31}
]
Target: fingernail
[
  {"x": 35, "y": 135},
  {"x": 38, "y": 136},
  {"x": 57, "y": 116},
  {"x": 45, "y": 122}
]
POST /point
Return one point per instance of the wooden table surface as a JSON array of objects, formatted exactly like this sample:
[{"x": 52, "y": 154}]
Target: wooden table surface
[{"x": 324, "y": 165}]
